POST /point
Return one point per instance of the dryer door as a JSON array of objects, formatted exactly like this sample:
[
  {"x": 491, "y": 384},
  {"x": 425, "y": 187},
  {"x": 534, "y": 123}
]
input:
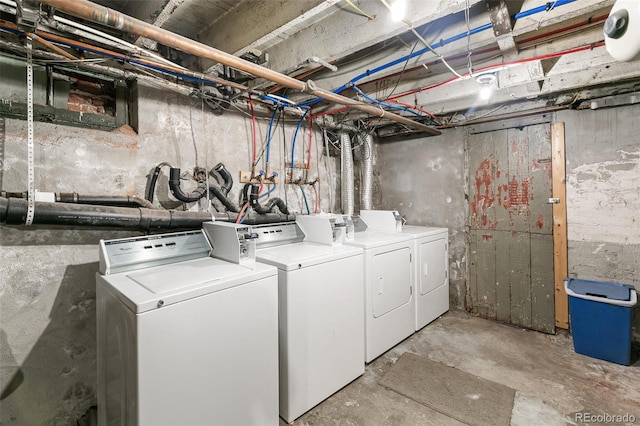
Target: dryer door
[
  {"x": 391, "y": 280},
  {"x": 433, "y": 265}
]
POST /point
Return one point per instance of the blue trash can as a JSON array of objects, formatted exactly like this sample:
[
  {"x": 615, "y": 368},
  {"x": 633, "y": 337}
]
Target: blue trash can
[{"x": 601, "y": 318}]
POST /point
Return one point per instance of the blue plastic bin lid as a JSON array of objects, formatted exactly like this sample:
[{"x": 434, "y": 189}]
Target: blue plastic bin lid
[{"x": 615, "y": 291}]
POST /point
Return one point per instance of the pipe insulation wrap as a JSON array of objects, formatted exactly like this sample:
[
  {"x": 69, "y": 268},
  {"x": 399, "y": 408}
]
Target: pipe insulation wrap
[
  {"x": 366, "y": 202},
  {"x": 346, "y": 177}
]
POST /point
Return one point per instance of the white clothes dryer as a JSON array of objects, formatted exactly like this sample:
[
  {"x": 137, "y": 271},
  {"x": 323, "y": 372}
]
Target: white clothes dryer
[
  {"x": 431, "y": 264},
  {"x": 431, "y": 272},
  {"x": 388, "y": 282}
]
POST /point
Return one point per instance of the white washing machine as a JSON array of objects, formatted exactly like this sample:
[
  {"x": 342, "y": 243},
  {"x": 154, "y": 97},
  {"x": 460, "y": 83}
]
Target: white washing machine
[
  {"x": 184, "y": 338},
  {"x": 388, "y": 277},
  {"x": 431, "y": 266},
  {"x": 321, "y": 313}
]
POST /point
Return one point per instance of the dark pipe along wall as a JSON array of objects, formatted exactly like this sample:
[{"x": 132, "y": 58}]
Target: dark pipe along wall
[{"x": 13, "y": 211}]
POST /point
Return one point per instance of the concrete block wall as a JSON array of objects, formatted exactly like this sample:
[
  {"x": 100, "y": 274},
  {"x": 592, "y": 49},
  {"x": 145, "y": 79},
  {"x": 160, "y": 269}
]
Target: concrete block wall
[{"x": 47, "y": 283}]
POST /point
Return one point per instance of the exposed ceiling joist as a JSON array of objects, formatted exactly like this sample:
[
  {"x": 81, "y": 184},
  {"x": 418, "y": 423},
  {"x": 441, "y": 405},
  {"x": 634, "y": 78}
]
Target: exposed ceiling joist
[
  {"x": 111, "y": 18},
  {"x": 161, "y": 16},
  {"x": 346, "y": 32},
  {"x": 263, "y": 25}
]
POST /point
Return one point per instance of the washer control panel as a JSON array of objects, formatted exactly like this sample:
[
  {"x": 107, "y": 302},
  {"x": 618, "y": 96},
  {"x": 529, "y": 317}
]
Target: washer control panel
[
  {"x": 129, "y": 254},
  {"x": 232, "y": 242}
]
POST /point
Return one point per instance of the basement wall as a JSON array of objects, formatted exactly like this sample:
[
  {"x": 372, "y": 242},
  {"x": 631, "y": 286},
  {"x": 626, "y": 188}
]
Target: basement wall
[
  {"x": 425, "y": 180},
  {"x": 603, "y": 194},
  {"x": 47, "y": 283}
]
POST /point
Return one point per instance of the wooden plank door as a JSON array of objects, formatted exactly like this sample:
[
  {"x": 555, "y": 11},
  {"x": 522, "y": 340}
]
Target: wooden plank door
[{"x": 510, "y": 223}]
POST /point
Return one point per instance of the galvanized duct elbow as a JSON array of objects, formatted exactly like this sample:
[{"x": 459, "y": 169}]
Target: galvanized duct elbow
[
  {"x": 346, "y": 166},
  {"x": 366, "y": 194}
]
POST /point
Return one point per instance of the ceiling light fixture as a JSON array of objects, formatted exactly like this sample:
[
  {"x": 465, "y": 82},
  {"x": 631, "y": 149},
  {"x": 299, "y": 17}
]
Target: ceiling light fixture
[
  {"x": 398, "y": 10},
  {"x": 488, "y": 82}
]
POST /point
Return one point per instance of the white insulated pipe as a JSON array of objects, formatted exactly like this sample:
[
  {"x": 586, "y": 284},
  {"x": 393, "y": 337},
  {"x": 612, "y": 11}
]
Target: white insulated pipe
[
  {"x": 346, "y": 176},
  {"x": 366, "y": 193}
]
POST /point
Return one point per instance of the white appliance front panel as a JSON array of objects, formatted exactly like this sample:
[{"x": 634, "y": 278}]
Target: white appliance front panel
[
  {"x": 385, "y": 331},
  {"x": 432, "y": 305},
  {"x": 321, "y": 332},
  {"x": 432, "y": 277},
  {"x": 392, "y": 280},
  {"x": 433, "y": 262},
  {"x": 210, "y": 360}
]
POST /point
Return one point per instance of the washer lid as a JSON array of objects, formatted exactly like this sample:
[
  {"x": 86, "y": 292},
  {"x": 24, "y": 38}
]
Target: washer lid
[
  {"x": 301, "y": 255},
  {"x": 372, "y": 239},
  {"x": 422, "y": 231},
  {"x": 160, "y": 286}
]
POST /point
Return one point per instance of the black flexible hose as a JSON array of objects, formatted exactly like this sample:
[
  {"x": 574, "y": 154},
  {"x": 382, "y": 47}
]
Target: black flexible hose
[
  {"x": 154, "y": 180},
  {"x": 273, "y": 202},
  {"x": 217, "y": 192},
  {"x": 226, "y": 177},
  {"x": 174, "y": 186}
]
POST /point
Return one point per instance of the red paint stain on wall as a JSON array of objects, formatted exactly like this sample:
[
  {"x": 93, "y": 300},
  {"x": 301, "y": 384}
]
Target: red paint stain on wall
[
  {"x": 518, "y": 193},
  {"x": 484, "y": 197},
  {"x": 540, "y": 222}
]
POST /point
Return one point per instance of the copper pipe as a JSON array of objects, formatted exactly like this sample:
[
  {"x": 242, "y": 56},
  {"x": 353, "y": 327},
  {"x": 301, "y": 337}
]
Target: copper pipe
[
  {"x": 120, "y": 21},
  {"x": 52, "y": 47}
]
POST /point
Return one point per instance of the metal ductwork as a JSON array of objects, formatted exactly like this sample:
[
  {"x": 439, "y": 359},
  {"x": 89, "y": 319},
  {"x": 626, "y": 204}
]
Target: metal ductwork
[
  {"x": 346, "y": 176},
  {"x": 111, "y": 18},
  {"x": 366, "y": 193},
  {"x": 13, "y": 211}
]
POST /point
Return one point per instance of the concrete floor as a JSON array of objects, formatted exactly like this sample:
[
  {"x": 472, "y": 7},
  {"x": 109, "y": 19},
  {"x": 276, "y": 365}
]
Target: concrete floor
[{"x": 552, "y": 382}]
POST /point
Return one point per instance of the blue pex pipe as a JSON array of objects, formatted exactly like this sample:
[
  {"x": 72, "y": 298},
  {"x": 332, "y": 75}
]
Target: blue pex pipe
[
  {"x": 546, "y": 7},
  {"x": 295, "y": 134},
  {"x": 375, "y": 101},
  {"x": 268, "y": 149}
]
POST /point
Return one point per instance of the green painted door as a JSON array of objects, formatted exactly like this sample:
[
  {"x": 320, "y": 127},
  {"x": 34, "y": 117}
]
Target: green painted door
[{"x": 510, "y": 227}]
